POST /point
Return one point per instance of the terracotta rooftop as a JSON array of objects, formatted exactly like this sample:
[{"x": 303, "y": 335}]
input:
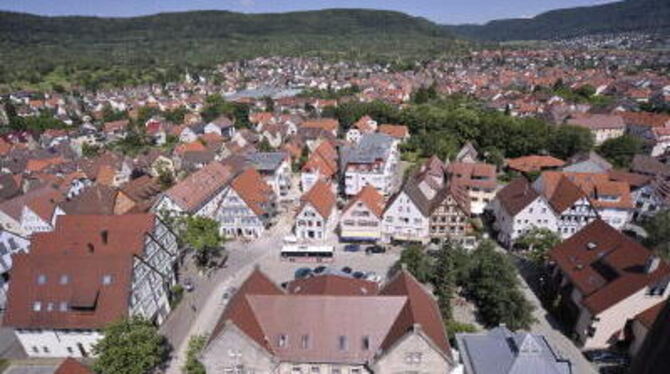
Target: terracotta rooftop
[
  {"x": 532, "y": 163},
  {"x": 193, "y": 192},
  {"x": 72, "y": 366},
  {"x": 371, "y": 198},
  {"x": 605, "y": 265},
  {"x": 255, "y": 192},
  {"x": 321, "y": 197},
  {"x": 517, "y": 195},
  {"x": 478, "y": 175},
  {"x": 396, "y": 131}
]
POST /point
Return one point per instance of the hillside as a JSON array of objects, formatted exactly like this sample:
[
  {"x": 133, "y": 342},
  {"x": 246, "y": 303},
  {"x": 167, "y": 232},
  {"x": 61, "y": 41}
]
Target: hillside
[
  {"x": 34, "y": 46},
  {"x": 652, "y": 16}
]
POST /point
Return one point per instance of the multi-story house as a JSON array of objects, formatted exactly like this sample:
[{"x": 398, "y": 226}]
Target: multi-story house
[
  {"x": 518, "y": 208},
  {"x": 320, "y": 166},
  {"x": 34, "y": 211},
  {"x": 246, "y": 207},
  {"x": 651, "y": 198},
  {"x": 361, "y": 218},
  {"x": 407, "y": 215},
  {"x": 374, "y": 160},
  {"x": 330, "y": 324},
  {"x": 450, "y": 214},
  {"x": 89, "y": 272},
  {"x": 653, "y": 129},
  {"x": 275, "y": 167},
  {"x": 605, "y": 279},
  {"x": 316, "y": 215},
  {"x": 479, "y": 179},
  {"x": 504, "y": 352},
  {"x": 199, "y": 194},
  {"x": 365, "y": 125},
  {"x": 602, "y": 126},
  {"x": 611, "y": 199},
  {"x": 10, "y": 245}
]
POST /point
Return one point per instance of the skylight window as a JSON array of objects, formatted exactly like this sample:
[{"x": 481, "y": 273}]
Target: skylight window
[
  {"x": 106, "y": 279},
  {"x": 64, "y": 279},
  {"x": 41, "y": 279},
  {"x": 37, "y": 306}
]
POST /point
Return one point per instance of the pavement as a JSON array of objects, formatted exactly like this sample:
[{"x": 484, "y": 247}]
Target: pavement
[{"x": 548, "y": 326}]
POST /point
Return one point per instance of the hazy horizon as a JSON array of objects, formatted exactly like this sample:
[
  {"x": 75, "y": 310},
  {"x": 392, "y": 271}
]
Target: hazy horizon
[{"x": 441, "y": 11}]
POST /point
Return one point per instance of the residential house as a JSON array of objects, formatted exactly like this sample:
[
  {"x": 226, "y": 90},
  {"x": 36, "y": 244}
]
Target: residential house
[
  {"x": 518, "y": 208},
  {"x": 34, "y": 211},
  {"x": 267, "y": 329},
  {"x": 570, "y": 204},
  {"x": 320, "y": 166},
  {"x": 365, "y": 125},
  {"x": 275, "y": 167},
  {"x": 605, "y": 279},
  {"x": 450, "y": 214},
  {"x": 407, "y": 215},
  {"x": 501, "y": 351},
  {"x": 534, "y": 163},
  {"x": 398, "y": 132},
  {"x": 138, "y": 195},
  {"x": 221, "y": 126},
  {"x": 653, "y": 355},
  {"x": 246, "y": 208},
  {"x": 602, "y": 126},
  {"x": 640, "y": 327},
  {"x": 326, "y": 124},
  {"x": 467, "y": 154},
  {"x": 198, "y": 194},
  {"x": 361, "y": 218},
  {"x": 89, "y": 272},
  {"x": 590, "y": 162},
  {"x": 11, "y": 244},
  {"x": 478, "y": 179},
  {"x": 316, "y": 215},
  {"x": 72, "y": 366},
  {"x": 653, "y": 129},
  {"x": 374, "y": 160}
]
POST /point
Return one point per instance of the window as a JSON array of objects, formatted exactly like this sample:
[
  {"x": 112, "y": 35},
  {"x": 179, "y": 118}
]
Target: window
[
  {"x": 296, "y": 370},
  {"x": 35, "y": 349},
  {"x": 37, "y": 306},
  {"x": 342, "y": 342},
  {"x": 304, "y": 341},
  {"x": 45, "y": 349},
  {"x": 315, "y": 370},
  {"x": 282, "y": 340},
  {"x": 366, "y": 343},
  {"x": 41, "y": 279},
  {"x": 335, "y": 371},
  {"x": 356, "y": 371},
  {"x": 413, "y": 358},
  {"x": 70, "y": 350},
  {"x": 63, "y": 306},
  {"x": 50, "y": 307},
  {"x": 106, "y": 279},
  {"x": 64, "y": 279}
]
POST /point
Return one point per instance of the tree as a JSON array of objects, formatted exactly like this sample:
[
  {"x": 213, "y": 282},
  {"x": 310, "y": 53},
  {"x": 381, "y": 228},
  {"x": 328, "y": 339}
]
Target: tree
[
  {"x": 620, "y": 151},
  {"x": 130, "y": 346},
  {"x": 90, "y": 150},
  {"x": 658, "y": 233},
  {"x": 192, "y": 365},
  {"x": 416, "y": 262},
  {"x": 494, "y": 287},
  {"x": 264, "y": 146},
  {"x": 569, "y": 140},
  {"x": 202, "y": 234},
  {"x": 269, "y": 104},
  {"x": 538, "y": 241},
  {"x": 444, "y": 279}
]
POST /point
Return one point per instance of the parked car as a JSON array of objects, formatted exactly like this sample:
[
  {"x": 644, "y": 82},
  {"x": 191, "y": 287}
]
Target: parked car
[
  {"x": 373, "y": 277},
  {"x": 188, "y": 284},
  {"x": 303, "y": 273},
  {"x": 320, "y": 269},
  {"x": 352, "y": 248},
  {"x": 375, "y": 249},
  {"x": 347, "y": 270},
  {"x": 602, "y": 356},
  {"x": 358, "y": 275}
]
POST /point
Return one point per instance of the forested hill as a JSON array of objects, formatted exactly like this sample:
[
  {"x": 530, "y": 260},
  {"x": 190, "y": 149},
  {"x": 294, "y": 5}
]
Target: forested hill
[
  {"x": 34, "y": 46},
  {"x": 651, "y": 16}
]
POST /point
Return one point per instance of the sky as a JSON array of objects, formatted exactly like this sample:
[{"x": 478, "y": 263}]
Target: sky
[{"x": 442, "y": 11}]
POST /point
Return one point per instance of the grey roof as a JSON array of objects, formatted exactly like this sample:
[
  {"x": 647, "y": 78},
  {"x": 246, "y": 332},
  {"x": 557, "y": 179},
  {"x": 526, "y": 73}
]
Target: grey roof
[
  {"x": 266, "y": 161},
  {"x": 588, "y": 163},
  {"x": 499, "y": 351},
  {"x": 370, "y": 148}
]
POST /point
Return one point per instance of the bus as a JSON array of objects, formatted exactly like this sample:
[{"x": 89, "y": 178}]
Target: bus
[{"x": 307, "y": 253}]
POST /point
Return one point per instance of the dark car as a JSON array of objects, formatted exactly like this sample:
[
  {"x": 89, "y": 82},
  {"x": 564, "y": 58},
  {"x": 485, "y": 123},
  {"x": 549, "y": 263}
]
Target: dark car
[
  {"x": 303, "y": 273},
  {"x": 375, "y": 249},
  {"x": 602, "y": 356},
  {"x": 320, "y": 269},
  {"x": 352, "y": 248},
  {"x": 358, "y": 275},
  {"x": 347, "y": 270}
]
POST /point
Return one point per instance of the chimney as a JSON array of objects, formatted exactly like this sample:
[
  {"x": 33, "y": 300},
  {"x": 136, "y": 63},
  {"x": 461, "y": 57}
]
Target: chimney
[
  {"x": 653, "y": 262},
  {"x": 104, "y": 235}
]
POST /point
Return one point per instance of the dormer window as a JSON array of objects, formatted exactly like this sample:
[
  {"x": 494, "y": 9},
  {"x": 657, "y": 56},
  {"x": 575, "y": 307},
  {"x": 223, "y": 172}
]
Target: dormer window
[
  {"x": 37, "y": 306},
  {"x": 304, "y": 341},
  {"x": 366, "y": 343},
  {"x": 41, "y": 279},
  {"x": 64, "y": 279},
  {"x": 106, "y": 280},
  {"x": 63, "y": 306},
  {"x": 282, "y": 340},
  {"x": 342, "y": 343}
]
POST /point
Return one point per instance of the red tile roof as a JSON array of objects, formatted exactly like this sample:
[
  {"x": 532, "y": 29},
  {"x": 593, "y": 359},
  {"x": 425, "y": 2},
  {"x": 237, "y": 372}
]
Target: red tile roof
[
  {"x": 193, "y": 192},
  {"x": 396, "y": 131},
  {"x": 72, "y": 366},
  {"x": 371, "y": 198},
  {"x": 72, "y": 261},
  {"x": 648, "y": 317},
  {"x": 327, "y": 124},
  {"x": 605, "y": 265},
  {"x": 478, "y": 175},
  {"x": 255, "y": 192},
  {"x": 321, "y": 197},
  {"x": 336, "y": 285},
  {"x": 528, "y": 164}
]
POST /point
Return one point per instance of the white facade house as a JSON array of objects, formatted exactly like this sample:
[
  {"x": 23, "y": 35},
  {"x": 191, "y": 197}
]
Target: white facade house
[
  {"x": 361, "y": 218},
  {"x": 316, "y": 219},
  {"x": 518, "y": 208},
  {"x": 407, "y": 216},
  {"x": 35, "y": 211},
  {"x": 275, "y": 167},
  {"x": 116, "y": 266},
  {"x": 374, "y": 160},
  {"x": 246, "y": 207}
]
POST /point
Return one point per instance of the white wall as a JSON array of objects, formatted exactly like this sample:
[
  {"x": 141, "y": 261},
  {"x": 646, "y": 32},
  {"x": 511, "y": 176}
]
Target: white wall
[
  {"x": 57, "y": 343},
  {"x": 404, "y": 221}
]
